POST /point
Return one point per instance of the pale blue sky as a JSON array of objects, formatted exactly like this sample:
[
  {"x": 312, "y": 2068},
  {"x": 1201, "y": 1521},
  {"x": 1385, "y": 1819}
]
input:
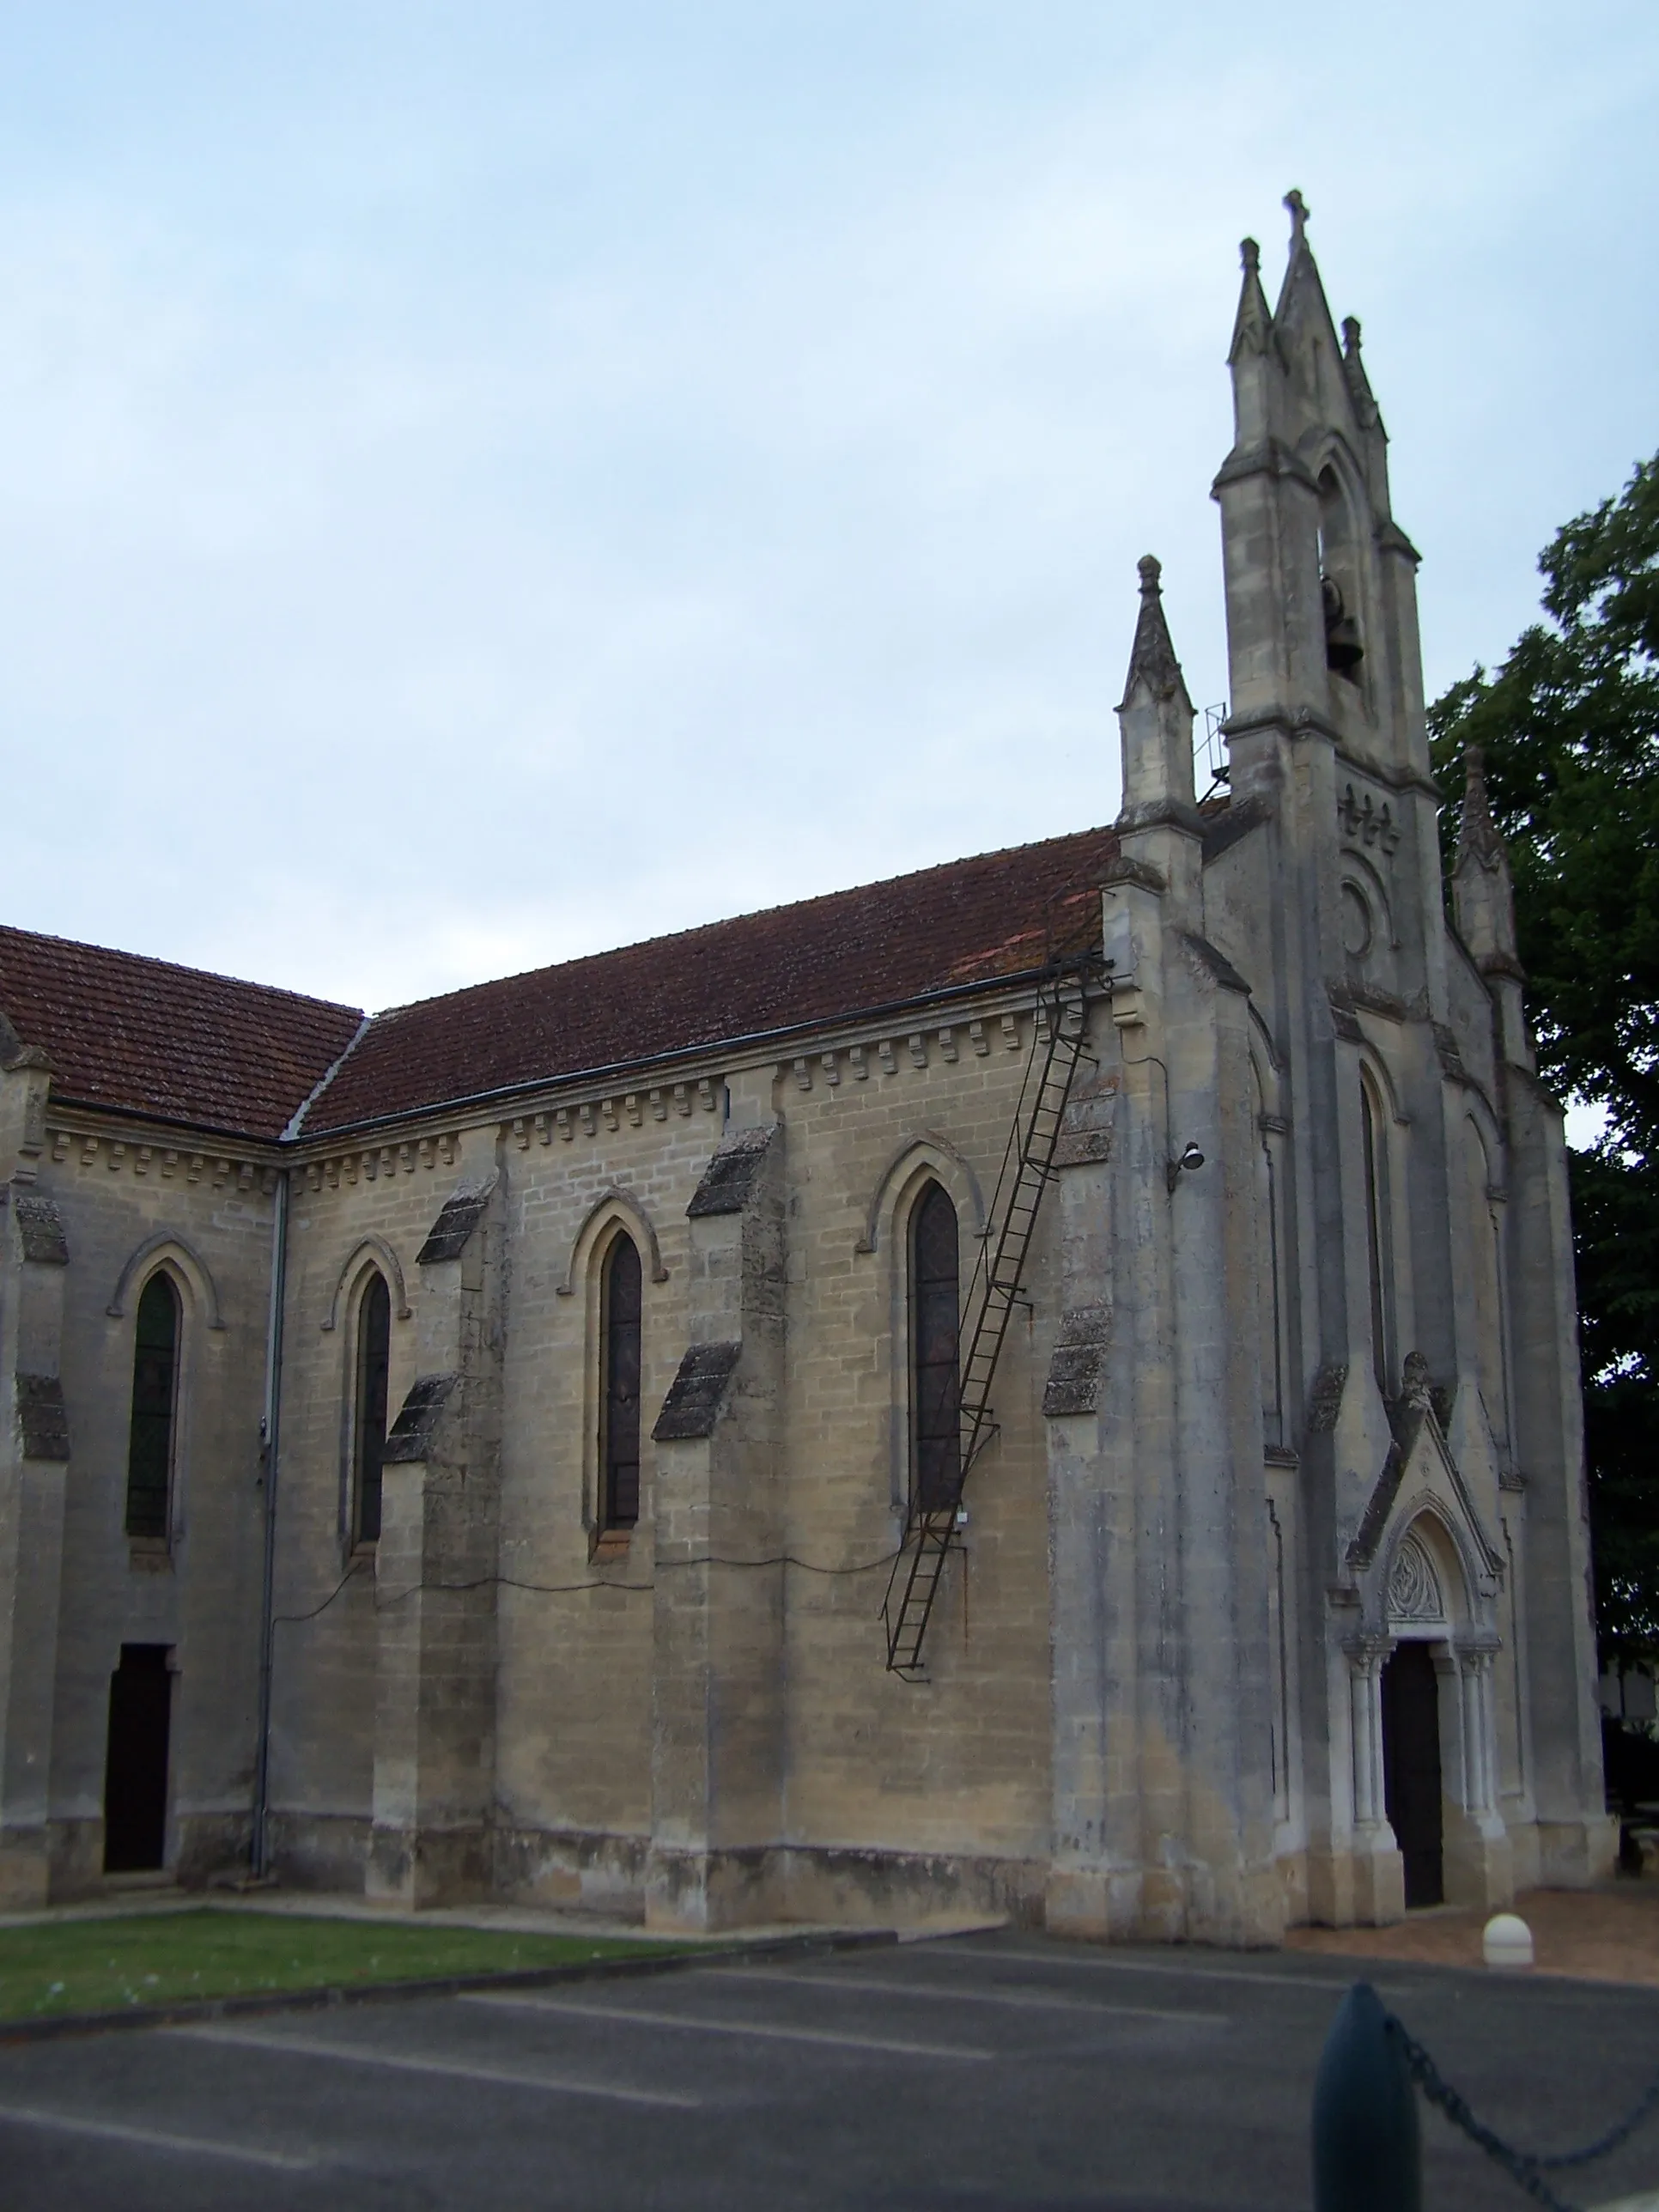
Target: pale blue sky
[{"x": 478, "y": 484}]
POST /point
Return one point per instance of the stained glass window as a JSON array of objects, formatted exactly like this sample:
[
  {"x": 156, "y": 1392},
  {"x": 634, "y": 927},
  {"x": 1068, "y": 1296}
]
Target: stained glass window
[{"x": 155, "y": 1384}]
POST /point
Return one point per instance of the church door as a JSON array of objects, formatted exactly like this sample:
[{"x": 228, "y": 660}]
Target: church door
[
  {"x": 1411, "y": 1767},
  {"x": 136, "y": 1767}
]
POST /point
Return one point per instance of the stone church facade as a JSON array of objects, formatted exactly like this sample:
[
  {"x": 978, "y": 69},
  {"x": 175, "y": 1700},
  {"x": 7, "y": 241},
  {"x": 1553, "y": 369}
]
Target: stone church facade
[{"x": 531, "y": 1443}]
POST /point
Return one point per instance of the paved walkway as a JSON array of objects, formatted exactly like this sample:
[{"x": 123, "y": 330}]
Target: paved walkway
[
  {"x": 123, "y": 1903},
  {"x": 1605, "y": 1935}
]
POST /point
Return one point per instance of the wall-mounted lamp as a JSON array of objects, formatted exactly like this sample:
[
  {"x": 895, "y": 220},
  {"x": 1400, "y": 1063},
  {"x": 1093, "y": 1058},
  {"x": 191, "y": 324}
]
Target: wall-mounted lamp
[{"x": 1192, "y": 1157}]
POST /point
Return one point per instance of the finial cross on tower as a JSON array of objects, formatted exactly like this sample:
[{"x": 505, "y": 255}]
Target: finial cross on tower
[{"x": 1300, "y": 213}]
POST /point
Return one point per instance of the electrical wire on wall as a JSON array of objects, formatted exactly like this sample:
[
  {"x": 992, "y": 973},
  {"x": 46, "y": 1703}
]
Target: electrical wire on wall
[{"x": 566, "y": 1590}]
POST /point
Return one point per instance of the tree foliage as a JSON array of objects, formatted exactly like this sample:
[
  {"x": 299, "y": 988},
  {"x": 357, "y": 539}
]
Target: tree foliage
[{"x": 1570, "y": 729}]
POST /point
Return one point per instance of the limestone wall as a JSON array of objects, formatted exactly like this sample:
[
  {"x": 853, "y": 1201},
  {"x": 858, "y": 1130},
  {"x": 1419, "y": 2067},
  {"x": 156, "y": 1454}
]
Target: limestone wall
[
  {"x": 132, "y": 1199},
  {"x": 867, "y": 1765}
]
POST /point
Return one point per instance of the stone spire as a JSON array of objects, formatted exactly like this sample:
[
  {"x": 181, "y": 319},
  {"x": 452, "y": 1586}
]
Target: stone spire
[
  {"x": 1302, "y": 303},
  {"x": 1155, "y": 717},
  {"x": 1299, "y": 266}
]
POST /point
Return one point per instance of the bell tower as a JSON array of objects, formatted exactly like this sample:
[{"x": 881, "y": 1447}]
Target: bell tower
[
  {"x": 1337, "y": 884},
  {"x": 1321, "y": 598}
]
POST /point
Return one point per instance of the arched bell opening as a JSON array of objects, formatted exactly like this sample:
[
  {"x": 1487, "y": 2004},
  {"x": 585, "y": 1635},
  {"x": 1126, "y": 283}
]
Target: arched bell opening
[{"x": 1339, "y": 579}]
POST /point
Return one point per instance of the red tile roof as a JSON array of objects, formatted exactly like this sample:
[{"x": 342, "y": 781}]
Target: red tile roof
[
  {"x": 169, "y": 1043},
  {"x": 793, "y": 967}
]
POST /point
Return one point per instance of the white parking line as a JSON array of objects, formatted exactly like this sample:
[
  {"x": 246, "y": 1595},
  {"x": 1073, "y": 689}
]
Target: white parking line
[
  {"x": 73, "y": 2124},
  {"x": 464, "y": 2070},
  {"x": 937, "y": 1992},
  {"x": 763, "y": 2031},
  {"x": 1097, "y": 1961}
]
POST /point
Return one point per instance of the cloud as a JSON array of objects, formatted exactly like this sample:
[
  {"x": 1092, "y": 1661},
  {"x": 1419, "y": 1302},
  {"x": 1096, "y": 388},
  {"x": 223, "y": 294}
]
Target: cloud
[{"x": 473, "y": 498}]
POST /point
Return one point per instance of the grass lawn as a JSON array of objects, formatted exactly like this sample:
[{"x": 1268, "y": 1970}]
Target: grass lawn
[{"x": 156, "y": 1958}]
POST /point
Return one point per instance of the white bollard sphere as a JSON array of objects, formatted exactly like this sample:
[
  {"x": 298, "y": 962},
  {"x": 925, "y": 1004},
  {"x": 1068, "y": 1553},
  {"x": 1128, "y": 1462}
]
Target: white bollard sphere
[{"x": 1506, "y": 1940}]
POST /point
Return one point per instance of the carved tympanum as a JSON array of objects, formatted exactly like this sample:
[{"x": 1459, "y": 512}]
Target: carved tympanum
[{"x": 1414, "y": 1592}]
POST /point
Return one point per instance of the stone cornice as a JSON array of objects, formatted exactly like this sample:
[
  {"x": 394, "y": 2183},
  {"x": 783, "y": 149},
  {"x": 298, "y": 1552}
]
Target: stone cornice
[
  {"x": 1272, "y": 458},
  {"x": 1158, "y": 814},
  {"x": 123, "y": 1147},
  {"x": 1296, "y": 722}
]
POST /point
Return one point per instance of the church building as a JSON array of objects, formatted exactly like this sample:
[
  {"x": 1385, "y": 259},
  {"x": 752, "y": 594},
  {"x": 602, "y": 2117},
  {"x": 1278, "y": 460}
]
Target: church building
[{"x": 1045, "y": 1386}]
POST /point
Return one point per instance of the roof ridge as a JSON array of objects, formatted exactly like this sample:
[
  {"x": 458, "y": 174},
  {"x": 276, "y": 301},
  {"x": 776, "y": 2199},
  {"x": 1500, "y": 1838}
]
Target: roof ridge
[
  {"x": 754, "y": 914},
  {"x": 176, "y": 967}
]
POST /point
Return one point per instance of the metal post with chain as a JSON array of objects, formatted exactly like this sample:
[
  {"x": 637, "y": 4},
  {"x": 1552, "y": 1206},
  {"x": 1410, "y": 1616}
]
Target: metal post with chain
[{"x": 1367, "y": 2152}]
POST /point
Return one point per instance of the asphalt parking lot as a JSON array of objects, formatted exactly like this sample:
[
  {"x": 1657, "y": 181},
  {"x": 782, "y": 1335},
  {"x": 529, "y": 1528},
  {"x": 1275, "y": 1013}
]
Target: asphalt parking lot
[{"x": 989, "y": 2072}]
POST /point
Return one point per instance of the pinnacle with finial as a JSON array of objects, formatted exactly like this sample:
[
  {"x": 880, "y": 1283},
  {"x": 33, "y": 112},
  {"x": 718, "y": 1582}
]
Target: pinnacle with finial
[
  {"x": 1152, "y": 657},
  {"x": 1299, "y": 214},
  {"x": 1477, "y": 833},
  {"x": 1353, "y": 367},
  {"x": 1253, "y": 324}
]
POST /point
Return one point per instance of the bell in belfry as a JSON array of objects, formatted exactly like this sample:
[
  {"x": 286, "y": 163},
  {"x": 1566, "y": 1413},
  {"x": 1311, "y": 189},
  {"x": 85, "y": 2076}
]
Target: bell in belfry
[{"x": 1343, "y": 651}]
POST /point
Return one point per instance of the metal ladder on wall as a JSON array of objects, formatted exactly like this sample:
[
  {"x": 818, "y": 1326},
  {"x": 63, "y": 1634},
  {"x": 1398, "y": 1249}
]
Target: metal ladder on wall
[{"x": 1027, "y": 1164}]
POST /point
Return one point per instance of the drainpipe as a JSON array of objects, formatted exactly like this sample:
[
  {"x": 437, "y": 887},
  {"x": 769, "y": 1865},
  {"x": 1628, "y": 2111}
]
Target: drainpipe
[{"x": 269, "y": 1427}]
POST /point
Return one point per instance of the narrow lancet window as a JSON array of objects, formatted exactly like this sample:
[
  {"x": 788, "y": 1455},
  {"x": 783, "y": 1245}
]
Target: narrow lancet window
[
  {"x": 374, "y": 1360},
  {"x": 1377, "y": 1237},
  {"x": 619, "y": 1368},
  {"x": 155, "y": 1391},
  {"x": 935, "y": 1326}
]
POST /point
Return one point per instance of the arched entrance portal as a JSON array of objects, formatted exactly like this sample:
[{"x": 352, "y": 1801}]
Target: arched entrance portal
[
  {"x": 1423, "y": 1574},
  {"x": 1411, "y": 1768}
]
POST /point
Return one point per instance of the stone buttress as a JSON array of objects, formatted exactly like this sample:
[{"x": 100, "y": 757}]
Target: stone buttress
[
  {"x": 1162, "y": 1817},
  {"x": 718, "y": 1680},
  {"x": 435, "y": 1567},
  {"x": 34, "y": 1453}
]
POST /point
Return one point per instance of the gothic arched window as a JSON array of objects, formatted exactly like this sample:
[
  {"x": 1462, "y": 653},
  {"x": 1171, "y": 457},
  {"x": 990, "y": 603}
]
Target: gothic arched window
[
  {"x": 368, "y": 1426},
  {"x": 155, "y": 1391},
  {"x": 619, "y": 1373},
  {"x": 935, "y": 1326}
]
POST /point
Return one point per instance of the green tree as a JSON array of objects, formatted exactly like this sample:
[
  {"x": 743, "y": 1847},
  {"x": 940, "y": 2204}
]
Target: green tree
[{"x": 1570, "y": 729}]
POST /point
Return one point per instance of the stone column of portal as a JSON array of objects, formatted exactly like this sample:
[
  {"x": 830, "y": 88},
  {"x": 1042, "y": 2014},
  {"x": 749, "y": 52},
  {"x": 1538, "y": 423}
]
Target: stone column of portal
[
  {"x": 718, "y": 1687},
  {"x": 1478, "y": 1857},
  {"x": 1379, "y": 1871},
  {"x": 34, "y": 1450},
  {"x": 434, "y": 1718}
]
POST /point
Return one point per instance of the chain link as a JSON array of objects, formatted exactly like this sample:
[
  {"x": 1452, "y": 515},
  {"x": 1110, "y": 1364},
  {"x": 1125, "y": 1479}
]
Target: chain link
[{"x": 1525, "y": 2168}]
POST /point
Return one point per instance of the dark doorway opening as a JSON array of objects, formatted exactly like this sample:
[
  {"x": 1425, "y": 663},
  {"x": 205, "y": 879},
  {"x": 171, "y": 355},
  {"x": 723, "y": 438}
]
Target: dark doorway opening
[
  {"x": 1411, "y": 1767},
  {"x": 136, "y": 1766}
]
